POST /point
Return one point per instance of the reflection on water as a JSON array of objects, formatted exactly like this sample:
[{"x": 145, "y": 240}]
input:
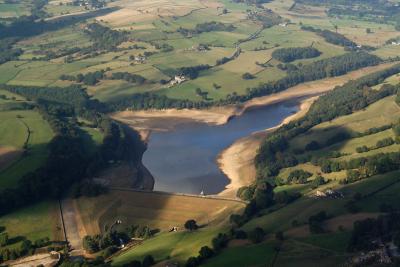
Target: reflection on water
[{"x": 184, "y": 160}]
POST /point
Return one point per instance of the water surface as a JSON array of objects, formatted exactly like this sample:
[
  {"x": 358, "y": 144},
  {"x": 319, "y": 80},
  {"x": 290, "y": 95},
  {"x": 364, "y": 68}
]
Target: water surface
[{"x": 184, "y": 159}]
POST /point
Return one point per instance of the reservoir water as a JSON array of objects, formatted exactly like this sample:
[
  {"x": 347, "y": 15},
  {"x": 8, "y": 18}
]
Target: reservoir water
[{"x": 184, "y": 159}]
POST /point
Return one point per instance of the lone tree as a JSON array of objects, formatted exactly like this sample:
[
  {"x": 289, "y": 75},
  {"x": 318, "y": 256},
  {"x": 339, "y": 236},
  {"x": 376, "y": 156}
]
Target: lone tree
[
  {"x": 206, "y": 253},
  {"x": 257, "y": 235},
  {"x": 148, "y": 261},
  {"x": 191, "y": 225}
]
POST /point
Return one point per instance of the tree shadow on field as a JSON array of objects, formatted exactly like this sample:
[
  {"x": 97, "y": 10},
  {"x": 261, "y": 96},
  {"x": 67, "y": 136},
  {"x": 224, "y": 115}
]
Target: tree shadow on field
[{"x": 326, "y": 142}]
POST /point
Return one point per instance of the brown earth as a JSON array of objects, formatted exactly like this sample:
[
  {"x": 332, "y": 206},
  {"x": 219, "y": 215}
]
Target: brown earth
[{"x": 158, "y": 210}]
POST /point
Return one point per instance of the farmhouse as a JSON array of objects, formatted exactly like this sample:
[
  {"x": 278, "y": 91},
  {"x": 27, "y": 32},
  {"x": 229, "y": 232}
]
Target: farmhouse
[
  {"x": 178, "y": 79},
  {"x": 139, "y": 59}
]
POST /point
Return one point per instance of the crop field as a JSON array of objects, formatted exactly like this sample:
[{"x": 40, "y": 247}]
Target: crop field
[
  {"x": 15, "y": 126},
  {"x": 161, "y": 211}
]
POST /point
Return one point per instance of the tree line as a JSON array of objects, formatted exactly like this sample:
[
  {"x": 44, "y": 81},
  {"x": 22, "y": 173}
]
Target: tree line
[
  {"x": 332, "y": 37},
  {"x": 92, "y": 78}
]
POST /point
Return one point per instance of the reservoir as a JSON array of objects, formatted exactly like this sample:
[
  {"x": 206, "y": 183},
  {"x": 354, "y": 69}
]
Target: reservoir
[{"x": 183, "y": 160}]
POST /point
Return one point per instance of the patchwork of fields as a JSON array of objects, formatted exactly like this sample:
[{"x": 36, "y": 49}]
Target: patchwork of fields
[
  {"x": 199, "y": 52},
  {"x": 151, "y": 24}
]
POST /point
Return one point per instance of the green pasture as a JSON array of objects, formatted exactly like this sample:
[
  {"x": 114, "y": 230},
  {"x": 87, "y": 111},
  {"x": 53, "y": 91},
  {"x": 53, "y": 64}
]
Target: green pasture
[
  {"x": 383, "y": 112},
  {"x": 38, "y": 73},
  {"x": 303, "y": 208},
  {"x": 331, "y": 241},
  {"x": 387, "y": 51},
  {"x": 56, "y": 10},
  {"x": 177, "y": 245},
  {"x": 33, "y": 222},
  {"x": 13, "y": 132}
]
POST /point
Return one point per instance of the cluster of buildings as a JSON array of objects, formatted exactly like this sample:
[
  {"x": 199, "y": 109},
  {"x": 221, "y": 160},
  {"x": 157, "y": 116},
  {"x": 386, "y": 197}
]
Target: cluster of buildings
[
  {"x": 139, "y": 59},
  {"x": 89, "y": 4},
  {"x": 382, "y": 255}
]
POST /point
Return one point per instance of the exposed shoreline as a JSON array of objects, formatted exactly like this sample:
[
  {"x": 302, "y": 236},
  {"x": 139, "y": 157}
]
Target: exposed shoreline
[
  {"x": 237, "y": 161},
  {"x": 167, "y": 119}
]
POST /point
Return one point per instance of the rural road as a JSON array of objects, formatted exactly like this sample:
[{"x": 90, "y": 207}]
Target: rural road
[{"x": 71, "y": 227}]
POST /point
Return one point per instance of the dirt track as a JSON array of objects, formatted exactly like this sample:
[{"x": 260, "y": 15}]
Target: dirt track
[{"x": 72, "y": 227}]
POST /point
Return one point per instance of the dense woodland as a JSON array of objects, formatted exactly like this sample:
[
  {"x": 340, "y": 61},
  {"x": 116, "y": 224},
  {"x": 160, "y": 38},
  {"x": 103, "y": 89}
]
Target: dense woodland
[
  {"x": 103, "y": 37},
  {"x": 7, "y": 52},
  {"x": 207, "y": 27},
  {"x": 61, "y": 109},
  {"x": 293, "y": 53}
]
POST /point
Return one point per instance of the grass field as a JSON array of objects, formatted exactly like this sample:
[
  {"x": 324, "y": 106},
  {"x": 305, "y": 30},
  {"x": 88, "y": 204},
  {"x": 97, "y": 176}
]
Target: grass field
[
  {"x": 250, "y": 255},
  {"x": 33, "y": 222},
  {"x": 383, "y": 112},
  {"x": 10, "y": 10},
  {"x": 295, "y": 253},
  {"x": 177, "y": 245},
  {"x": 14, "y": 132}
]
